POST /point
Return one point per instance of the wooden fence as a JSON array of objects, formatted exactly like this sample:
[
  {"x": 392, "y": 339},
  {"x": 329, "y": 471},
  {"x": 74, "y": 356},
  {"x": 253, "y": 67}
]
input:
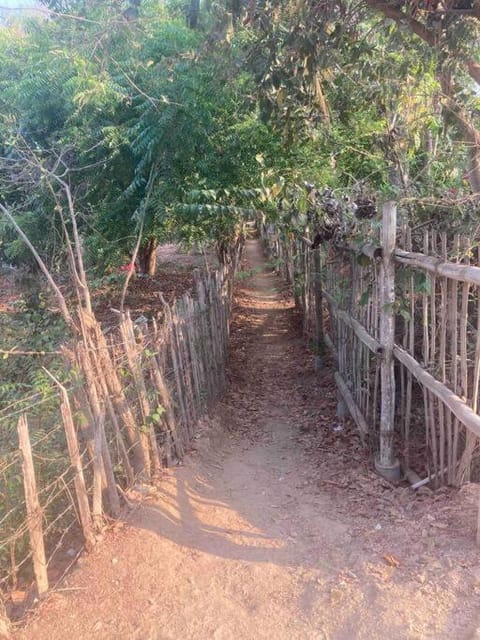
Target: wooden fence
[
  {"x": 404, "y": 325},
  {"x": 126, "y": 406}
]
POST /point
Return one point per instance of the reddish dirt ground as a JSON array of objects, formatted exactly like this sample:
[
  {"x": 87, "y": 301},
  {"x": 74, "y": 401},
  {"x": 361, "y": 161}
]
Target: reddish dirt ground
[
  {"x": 275, "y": 526},
  {"x": 174, "y": 277}
]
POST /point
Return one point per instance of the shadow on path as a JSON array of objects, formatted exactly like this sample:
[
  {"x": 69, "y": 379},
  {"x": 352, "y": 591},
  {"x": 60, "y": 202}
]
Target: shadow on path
[{"x": 274, "y": 529}]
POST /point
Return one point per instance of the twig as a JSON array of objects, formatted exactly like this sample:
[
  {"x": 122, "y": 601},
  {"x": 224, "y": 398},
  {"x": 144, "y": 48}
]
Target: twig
[
  {"x": 61, "y": 300},
  {"x": 14, "y": 352},
  {"x": 140, "y": 236}
]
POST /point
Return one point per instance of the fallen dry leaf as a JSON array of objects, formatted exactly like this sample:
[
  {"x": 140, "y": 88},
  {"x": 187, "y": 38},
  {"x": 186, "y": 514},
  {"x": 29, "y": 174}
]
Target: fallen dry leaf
[
  {"x": 391, "y": 560},
  {"x": 18, "y": 597}
]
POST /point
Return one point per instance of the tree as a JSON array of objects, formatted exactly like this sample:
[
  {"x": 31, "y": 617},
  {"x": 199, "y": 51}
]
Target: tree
[
  {"x": 449, "y": 28},
  {"x": 382, "y": 105},
  {"x": 134, "y": 117}
]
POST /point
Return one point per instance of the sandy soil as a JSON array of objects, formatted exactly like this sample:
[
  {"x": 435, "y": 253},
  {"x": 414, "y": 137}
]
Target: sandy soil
[{"x": 275, "y": 527}]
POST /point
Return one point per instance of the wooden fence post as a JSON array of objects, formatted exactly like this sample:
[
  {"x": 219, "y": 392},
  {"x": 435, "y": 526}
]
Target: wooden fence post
[
  {"x": 34, "y": 511},
  {"x": 97, "y": 502},
  {"x": 4, "y": 622},
  {"x": 76, "y": 460},
  {"x": 135, "y": 364},
  {"x": 79, "y": 480},
  {"x": 103, "y": 465},
  {"x": 385, "y": 463},
  {"x": 317, "y": 268}
]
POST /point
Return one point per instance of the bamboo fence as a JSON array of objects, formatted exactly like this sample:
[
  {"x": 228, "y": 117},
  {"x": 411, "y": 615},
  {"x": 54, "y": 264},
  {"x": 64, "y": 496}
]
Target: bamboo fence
[
  {"x": 127, "y": 407},
  {"x": 404, "y": 324}
]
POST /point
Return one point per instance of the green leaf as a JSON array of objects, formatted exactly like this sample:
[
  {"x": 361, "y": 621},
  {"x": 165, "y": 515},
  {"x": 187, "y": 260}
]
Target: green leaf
[
  {"x": 364, "y": 298},
  {"x": 157, "y": 415},
  {"x": 422, "y": 283}
]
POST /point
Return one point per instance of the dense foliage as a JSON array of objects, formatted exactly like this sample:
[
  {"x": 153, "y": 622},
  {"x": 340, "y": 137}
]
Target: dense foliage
[
  {"x": 133, "y": 115},
  {"x": 175, "y": 121}
]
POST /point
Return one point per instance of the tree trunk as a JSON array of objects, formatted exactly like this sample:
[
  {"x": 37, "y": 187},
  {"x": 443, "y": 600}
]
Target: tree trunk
[
  {"x": 147, "y": 257},
  {"x": 470, "y": 131},
  {"x": 474, "y": 168},
  {"x": 4, "y": 622}
]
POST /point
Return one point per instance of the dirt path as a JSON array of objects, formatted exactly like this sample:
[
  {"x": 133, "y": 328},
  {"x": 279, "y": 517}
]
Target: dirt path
[{"x": 275, "y": 528}]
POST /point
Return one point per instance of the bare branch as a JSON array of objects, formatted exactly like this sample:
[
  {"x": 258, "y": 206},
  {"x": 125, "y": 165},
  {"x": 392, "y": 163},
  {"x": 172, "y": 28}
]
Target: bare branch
[
  {"x": 140, "y": 235},
  {"x": 77, "y": 244},
  {"x": 17, "y": 352},
  {"x": 78, "y": 270},
  {"x": 59, "y": 295}
]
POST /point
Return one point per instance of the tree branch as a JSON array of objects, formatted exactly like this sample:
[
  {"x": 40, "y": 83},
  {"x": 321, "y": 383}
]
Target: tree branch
[
  {"x": 59, "y": 295},
  {"x": 474, "y": 70},
  {"x": 78, "y": 269},
  {"x": 399, "y": 16}
]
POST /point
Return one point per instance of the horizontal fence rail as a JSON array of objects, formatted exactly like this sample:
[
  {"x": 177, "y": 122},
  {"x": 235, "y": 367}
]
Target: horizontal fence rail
[{"x": 404, "y": 324}]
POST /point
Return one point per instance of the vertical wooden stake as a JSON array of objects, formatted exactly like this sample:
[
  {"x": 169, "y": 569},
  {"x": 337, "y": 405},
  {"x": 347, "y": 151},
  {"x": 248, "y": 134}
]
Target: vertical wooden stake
[
  {"x": 129, "y": 345},
  {"x": 34, "y": 511},
  {"x": 107, "y": 372},
  {"x": 167, "y": 403},
  {"x": 386, "y": 463},
  {"x": 170, "y": 341},
  {"x": 130, "y": 475},
  {"x": 86, "y": 357},
  {"x": 4, "y": 622},
  {"x": 478, "y": 522},
  {"x": 317, "y": 266},
  {"x": 76, "y": 460},
  {"x": 79, "y": 480},
  {"x": 97, "y": 504}
]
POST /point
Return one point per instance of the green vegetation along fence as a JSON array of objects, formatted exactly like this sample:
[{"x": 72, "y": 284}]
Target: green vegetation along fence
[{"x": 129, "y": 408}]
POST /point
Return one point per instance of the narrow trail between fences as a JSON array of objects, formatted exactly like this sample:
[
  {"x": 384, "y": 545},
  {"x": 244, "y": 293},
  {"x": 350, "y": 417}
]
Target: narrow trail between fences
[{"x": 275, "y": 527}]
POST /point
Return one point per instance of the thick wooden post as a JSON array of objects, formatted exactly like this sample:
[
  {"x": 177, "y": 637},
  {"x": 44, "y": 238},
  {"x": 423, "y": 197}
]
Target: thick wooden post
[
  {"x": 34, "y": 511},
  {"x": 478, "y": 522},
  {"x": 102, "y": 467},
  {"x": 76, "y": 460},
  {"x": 386, "y": 464}
]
